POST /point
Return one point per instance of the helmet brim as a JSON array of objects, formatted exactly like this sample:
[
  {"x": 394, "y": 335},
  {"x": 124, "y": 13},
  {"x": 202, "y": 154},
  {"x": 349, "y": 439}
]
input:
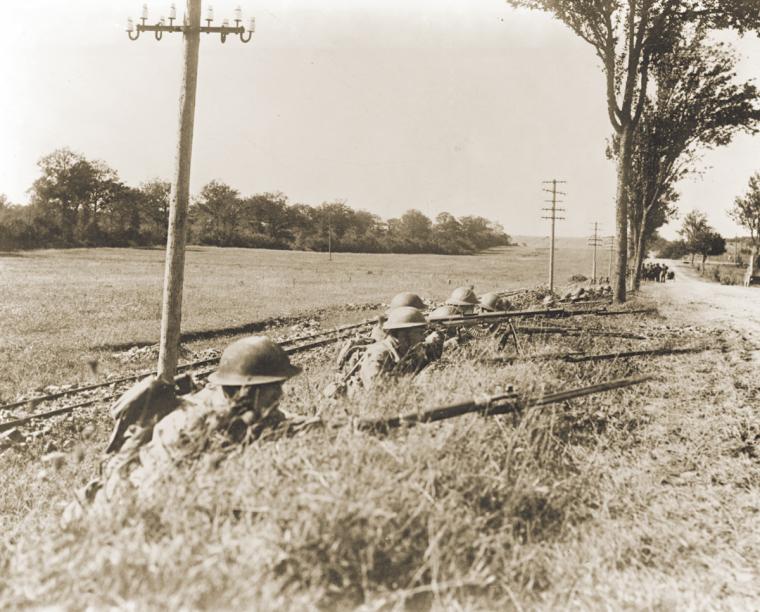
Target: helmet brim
[
  {"x": 237, "y": 380},
  {"x": 402, "y": 326},
  {"x": 460, "y": 303}
]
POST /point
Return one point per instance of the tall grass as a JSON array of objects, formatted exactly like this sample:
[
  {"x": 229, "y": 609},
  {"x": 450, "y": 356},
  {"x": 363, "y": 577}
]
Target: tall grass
[{"x": 469, "y": 510}]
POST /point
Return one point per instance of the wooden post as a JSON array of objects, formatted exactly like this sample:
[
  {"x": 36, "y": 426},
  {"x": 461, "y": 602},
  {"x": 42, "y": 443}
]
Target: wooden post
[
  {"x": 551, "y": 246},
  {"x": 171, "y": 308},
  {"x": 553, "y": 218}
]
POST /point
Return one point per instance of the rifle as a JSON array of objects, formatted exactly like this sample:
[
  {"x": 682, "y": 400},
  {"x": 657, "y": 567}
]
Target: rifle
[
  {"x": 490, "y": 406},
  {"x": 502, "y": 315},
  {"x": 574, "y": 331},
  {"x": 578, "y": 357}
]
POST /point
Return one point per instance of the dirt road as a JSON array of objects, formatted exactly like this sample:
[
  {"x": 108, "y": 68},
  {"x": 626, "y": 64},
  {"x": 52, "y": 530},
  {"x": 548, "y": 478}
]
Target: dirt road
[{"x": 706, "y": 303}]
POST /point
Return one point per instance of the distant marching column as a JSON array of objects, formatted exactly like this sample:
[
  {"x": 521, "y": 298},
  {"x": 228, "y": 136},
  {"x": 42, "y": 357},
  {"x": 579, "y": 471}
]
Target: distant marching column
[{"x": 553, "y": 218}]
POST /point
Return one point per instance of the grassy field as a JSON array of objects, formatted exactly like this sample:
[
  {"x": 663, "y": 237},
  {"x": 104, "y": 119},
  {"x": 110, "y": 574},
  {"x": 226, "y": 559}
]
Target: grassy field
[{"x": 61, "y": 307}]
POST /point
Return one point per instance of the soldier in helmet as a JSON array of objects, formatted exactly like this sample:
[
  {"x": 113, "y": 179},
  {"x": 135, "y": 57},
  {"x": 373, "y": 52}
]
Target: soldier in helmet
[
  {"x": 407, "y": 298},
  {"x": 241, "y": 403},
  {"x": 464, "y": 299},
  {"x": 493, "y": 302},
  {"x": 453, "y": 335},
  {"x": 361, "y": 341},
  {"x": 405, "y": 349}
]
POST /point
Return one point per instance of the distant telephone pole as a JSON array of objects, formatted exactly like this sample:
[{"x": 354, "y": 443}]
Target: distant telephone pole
[
  {"x": 611, "y": 244},
  {"x": 553, "y": 218},
  {"x": 595, "y": 242},
  {"x": 174, "y": 268}
]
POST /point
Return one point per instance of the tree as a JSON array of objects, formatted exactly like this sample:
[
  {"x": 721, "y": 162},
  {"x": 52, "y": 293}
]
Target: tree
[
  {"x": 414, "y": 230},
  {"x": 746, "y": 212},
  {"x": 624, "y": 36},
  {"x": 709, "y": 243},
  {"x": 700, "y": 237},
  {"x": 216, "y": 214},
  {"x": 267, "y": 213},
  {"x": 154, "y": 198},
  {"x": 696, "y": 105},
  {"x": 693, "y": 226}
]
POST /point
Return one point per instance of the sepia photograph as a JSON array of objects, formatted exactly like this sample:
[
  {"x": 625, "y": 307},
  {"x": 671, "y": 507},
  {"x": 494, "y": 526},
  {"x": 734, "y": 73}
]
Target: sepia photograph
[{"x": 380, "y": 305}]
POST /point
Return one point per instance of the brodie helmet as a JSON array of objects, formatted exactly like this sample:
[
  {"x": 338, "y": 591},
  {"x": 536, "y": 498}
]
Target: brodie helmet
[
  {"x": 462, "y": 296},
  {"x": 406, "y": 298},
  {"x": 492, "y": 302},
  {"x": 255, "y": 360},
  {"x": 403, "y": 318},
  {"x": 444, "y": 312}
]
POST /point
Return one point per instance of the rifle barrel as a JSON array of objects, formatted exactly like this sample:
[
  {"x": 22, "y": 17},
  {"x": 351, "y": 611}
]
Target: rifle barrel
[{"x": 494, "y": 405}]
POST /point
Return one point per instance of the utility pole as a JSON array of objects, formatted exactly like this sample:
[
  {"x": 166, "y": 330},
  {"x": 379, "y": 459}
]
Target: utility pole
[
  {"x": 612, "y": 255},
  {"x": 553, "y": 218},
  {"x": 595, "y": 242},
  {"x": 171, "y": 306},
  {"x": 329, "y": 235}
]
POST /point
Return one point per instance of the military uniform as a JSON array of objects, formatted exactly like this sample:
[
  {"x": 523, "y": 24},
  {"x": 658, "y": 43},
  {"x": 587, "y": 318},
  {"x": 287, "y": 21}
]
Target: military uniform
[
  {"x": 365, "y": 365},
  {"x": 240, "y": 405},
  {"x": 384, "y": 358}
]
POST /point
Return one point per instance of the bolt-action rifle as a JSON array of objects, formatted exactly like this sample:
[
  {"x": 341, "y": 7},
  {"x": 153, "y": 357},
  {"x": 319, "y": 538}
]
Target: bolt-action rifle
[
  {"x": 504, "y": 315},
  {"x": 506, "y": 403}
]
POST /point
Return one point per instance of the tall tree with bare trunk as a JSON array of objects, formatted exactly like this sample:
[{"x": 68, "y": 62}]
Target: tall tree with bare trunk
[{"x": 695, "y": 104}]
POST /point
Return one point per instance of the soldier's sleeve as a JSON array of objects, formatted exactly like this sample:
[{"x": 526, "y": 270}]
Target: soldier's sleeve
[
  {"x": 142, "y": 405},
  {"x": 374, "y": 362}
]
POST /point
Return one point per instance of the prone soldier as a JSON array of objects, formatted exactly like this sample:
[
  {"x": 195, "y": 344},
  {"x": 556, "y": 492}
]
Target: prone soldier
[
  {"x": 464, "y": 299},
  {"x": 239, "y": 405},
  {"x": 405, "y": 350}
]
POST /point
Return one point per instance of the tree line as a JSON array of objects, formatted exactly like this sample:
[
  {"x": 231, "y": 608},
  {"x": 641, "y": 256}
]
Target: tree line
[{"x": 80, "y": 202}]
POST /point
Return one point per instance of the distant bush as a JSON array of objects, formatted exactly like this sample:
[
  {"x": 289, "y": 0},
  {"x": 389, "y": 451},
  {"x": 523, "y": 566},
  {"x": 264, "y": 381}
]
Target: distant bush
[{"x": 578, "y": 278}]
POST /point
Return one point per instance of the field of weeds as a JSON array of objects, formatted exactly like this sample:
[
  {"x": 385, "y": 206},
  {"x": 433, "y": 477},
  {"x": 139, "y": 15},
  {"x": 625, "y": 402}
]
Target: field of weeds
[
  {"x": 645, "y": 497},
  {"x": 63, "y": 311}
]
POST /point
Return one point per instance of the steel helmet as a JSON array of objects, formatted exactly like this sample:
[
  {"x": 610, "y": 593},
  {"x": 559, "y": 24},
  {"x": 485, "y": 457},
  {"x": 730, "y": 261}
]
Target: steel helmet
[
  {"x": 404, "y": 317},
  {"x": 462, "y": 296},
  {"x": 492, "y": 302},
  {"x": 444, "y": 312},
  {"x": 255, "y": 360},
  {"x": 406, "y": 298}
]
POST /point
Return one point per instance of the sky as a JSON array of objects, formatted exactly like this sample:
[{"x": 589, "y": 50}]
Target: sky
[{"x": 464, "y": 106}]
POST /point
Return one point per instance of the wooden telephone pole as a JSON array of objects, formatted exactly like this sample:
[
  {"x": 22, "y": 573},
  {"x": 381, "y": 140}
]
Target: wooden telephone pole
[
  {"x": 612, "y": 256},
  {"x": 554, "y": 218},
  {"x": 174, "y": 270},
  {"x": 594, "y": 241}
]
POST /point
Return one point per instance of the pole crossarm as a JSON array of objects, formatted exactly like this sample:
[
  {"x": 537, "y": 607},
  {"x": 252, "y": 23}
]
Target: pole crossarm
[{"x": 160, "y": 28}]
